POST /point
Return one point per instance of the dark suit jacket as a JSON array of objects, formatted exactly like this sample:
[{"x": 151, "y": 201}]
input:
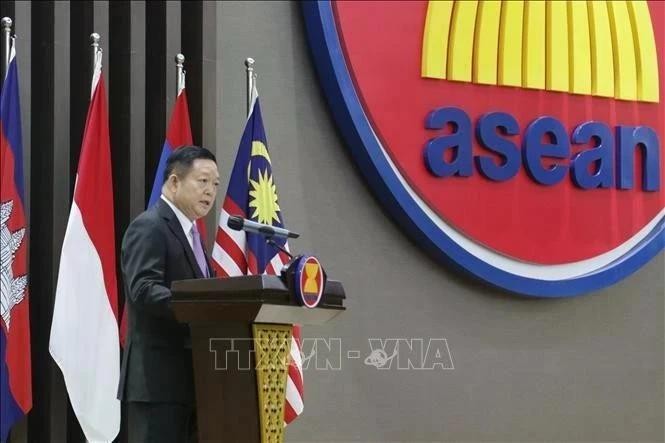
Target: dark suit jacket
[{"x": 156, "y": 365}]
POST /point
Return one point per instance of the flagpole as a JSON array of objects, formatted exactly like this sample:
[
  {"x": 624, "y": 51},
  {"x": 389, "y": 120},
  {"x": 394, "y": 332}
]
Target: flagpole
[
  {"x": 6, "y": 30},
  {"x": 179, "y": 74},
  {"x": 94, "y": 44},
  {"x": 249, "y": 65}
]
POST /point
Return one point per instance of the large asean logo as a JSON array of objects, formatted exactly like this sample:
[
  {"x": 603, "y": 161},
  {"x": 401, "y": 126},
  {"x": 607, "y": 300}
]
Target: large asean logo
[{"x": 520, "y": 139}]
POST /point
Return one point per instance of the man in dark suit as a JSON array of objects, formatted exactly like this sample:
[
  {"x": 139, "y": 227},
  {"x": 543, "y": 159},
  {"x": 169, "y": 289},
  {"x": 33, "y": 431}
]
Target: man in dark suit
[{"x": 162, "y": 245}]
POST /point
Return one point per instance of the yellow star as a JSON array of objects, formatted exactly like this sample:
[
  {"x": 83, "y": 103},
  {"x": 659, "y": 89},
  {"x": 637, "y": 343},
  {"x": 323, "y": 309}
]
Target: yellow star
[{"x": 264, "y": 199}]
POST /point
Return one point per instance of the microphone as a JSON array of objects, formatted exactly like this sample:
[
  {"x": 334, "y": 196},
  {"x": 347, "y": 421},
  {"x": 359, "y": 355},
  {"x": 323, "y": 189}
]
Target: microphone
[{"x": 242, "y": 224}]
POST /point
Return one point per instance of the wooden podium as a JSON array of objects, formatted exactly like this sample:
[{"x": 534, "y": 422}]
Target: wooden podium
[{"x": 236, "y": 323}]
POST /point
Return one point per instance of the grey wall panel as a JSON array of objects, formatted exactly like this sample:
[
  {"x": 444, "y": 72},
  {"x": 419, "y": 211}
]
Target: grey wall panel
[
  {"x": 191, "y": 32},
  {"x": 162, "y": 40},
  {"x": 137, "y": 109},
  {"x": 41, "y": 244},
  {"x": 211, "y": 96},
  {"x": 119, "y": 70},
  {"x": 81, "y": 25},
  {"x": 101, "y": 19},
  {"x": 63, "y": 185},
  {"x": 124, "y": 127},
  {"x": 23, "y": 32},
  {"x": 156, "y": 91},
  {"x": 48, "y": 418},
  {"x": 172, "y": 25}
]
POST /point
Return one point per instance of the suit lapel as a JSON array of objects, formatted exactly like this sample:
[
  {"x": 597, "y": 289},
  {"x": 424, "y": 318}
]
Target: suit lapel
[{"x": 174, "y": 225}]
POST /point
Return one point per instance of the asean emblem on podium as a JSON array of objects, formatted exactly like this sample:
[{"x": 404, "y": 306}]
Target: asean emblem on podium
[{"x": 306, "y": 278}]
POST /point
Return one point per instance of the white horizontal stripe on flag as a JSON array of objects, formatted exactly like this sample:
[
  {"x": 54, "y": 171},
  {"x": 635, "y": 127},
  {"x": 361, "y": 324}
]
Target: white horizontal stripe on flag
[
  {"x": 84, "y": 338},
  {"x": 277, "y": 264},
  {"x": 293, "y": 396},
  {"x": 295, "y": 354},
  {"x": 225, "y": 261},
  {"x": 238, "y": 237}
]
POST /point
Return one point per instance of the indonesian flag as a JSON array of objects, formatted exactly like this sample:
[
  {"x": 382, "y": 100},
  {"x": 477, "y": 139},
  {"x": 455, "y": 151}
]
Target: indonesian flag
[{"x": 84, "y": 333}]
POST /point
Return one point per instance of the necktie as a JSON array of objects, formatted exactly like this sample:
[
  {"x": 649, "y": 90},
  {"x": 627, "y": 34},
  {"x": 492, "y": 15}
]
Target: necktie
[{"x": 198, "y": 251}]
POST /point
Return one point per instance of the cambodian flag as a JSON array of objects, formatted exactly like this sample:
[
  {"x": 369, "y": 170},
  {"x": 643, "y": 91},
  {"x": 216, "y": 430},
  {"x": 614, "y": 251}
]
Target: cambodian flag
[{"x": 15, "y": 371}]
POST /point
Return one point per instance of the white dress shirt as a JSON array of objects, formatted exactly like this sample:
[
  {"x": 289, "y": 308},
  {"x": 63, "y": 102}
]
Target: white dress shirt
[{"x": 185, "y": 222}]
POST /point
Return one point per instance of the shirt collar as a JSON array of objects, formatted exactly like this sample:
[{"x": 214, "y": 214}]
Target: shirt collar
[{"x": 185, "y": 222}]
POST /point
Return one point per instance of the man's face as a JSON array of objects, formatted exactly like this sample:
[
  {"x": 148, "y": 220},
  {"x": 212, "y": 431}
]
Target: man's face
[{"x": 194, "y": 194}]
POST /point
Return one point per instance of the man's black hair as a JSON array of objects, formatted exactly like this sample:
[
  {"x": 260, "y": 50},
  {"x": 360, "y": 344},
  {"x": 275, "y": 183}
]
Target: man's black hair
[{"x": 180, "y": 161}]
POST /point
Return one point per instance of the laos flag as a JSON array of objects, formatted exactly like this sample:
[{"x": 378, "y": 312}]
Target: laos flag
[
  {"x": 178, "y": 134},
  {"x": 15, "y": 372}
]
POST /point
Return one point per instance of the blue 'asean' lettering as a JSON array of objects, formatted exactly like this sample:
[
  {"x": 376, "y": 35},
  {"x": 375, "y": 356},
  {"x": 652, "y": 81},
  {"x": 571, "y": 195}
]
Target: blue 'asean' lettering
[
  {"x": 545, "y": 153},
  {"x": 545, "y": 137},
  {"x": 459, "y": 143},
  {"x": 598, "y": 158},
  {"x": 630, "y": 137},
  {"x": 486, "y": 133}
]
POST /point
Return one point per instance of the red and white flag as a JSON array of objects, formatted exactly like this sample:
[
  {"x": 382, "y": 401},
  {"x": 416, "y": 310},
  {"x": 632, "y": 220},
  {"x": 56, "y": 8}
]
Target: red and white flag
[
  {"x": 293, "y": 404},
  {"x": 252, "y": 193},
  {"x": 84, "y": 332}
]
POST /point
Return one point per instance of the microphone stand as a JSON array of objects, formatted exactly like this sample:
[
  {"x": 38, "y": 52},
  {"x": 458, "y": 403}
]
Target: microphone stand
[
  {"x": 272, "y": 242},
  {"x": 283, "y": 273}
]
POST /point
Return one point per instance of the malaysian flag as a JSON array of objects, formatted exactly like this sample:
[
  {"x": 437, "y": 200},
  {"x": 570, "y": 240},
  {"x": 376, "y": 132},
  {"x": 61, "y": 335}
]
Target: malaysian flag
[{"x": 252, "y": 194}]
